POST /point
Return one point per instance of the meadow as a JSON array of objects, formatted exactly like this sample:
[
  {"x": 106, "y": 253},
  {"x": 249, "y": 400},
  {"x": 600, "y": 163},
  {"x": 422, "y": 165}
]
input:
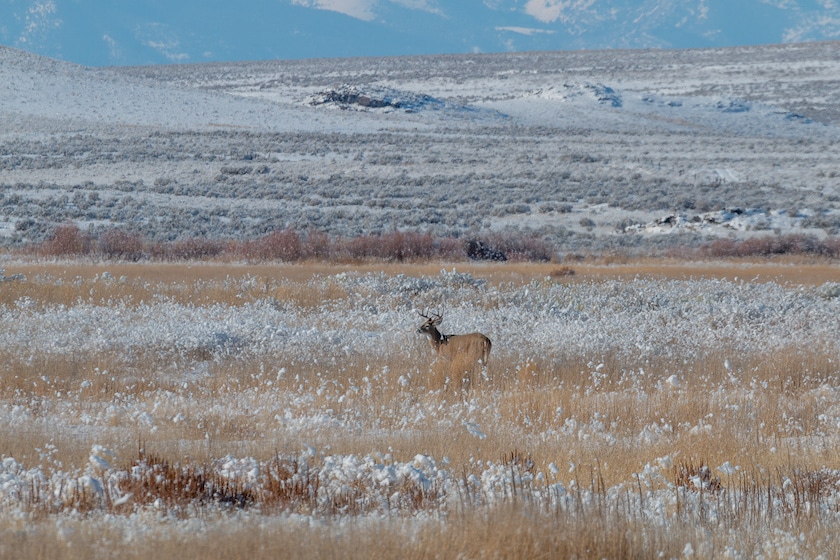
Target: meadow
[
  {"x": 642, "y": 408},
  {"x": 213, "y": 276}
]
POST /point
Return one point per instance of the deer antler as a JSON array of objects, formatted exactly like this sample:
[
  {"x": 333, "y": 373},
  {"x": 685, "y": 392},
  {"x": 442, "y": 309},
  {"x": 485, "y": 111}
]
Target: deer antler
[{"x": 435, "y": 319}]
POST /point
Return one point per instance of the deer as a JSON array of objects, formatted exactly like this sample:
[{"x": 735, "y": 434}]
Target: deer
[{"x": 468, "y": 349}]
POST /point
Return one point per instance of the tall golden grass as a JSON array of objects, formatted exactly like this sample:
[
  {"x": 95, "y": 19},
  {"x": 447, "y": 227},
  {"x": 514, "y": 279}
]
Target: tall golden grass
[
  {"x": 516, "y": 529},
  {"x": 600, "y": 404},
  {"x": 518, "y": 401}
]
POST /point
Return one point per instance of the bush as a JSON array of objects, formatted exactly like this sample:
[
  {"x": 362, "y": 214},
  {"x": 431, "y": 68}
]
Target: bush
[
  {"x": 118, "y": 244},
  {"x": 399, "y": 246},
  {"x": 317, "y": 245},
  {"x": 189, "y": 249},
  {"x": 510, "y": 246},
  {"x": 290, "y": 246},
  {"x": 480, "y": 251},
  {"x": 766, "y": 246},
  {"x": 396, "y": 246},
  {"x": 67, "y": 241},
  {"x": 284, "y": 245}
]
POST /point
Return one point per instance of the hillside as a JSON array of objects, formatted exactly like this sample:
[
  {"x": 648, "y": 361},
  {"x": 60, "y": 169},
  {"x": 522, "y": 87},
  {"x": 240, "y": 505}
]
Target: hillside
[{"x": 592, "y": 150}]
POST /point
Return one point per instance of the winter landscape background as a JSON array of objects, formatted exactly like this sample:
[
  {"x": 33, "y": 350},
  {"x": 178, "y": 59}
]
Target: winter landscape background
[
  {"x": 632, "y": 407},
  {"x": 592, "y": 150}
]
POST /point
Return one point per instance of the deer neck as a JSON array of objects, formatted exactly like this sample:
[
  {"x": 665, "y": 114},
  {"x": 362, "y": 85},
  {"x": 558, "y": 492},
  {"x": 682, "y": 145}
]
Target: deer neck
[{"x": 436, "y": 339}]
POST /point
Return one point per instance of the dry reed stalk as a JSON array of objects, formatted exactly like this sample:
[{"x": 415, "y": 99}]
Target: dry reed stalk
[
  {"x": 596, "y": 417},
  {"x": 513, "y": 530},
  {"x": 810, "y": 272},
  {"x": 513, "y": 408}
]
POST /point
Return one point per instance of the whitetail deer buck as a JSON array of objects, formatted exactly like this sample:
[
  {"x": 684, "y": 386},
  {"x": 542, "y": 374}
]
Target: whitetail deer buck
[{"x": 468, "y": 349}]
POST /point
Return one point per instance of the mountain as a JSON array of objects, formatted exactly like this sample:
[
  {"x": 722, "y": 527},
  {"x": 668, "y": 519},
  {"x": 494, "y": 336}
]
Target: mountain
[{"x": 103, "y": 32}]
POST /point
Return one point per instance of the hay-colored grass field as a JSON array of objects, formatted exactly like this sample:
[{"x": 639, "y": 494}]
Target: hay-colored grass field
[{"x": 222, "y": 410}]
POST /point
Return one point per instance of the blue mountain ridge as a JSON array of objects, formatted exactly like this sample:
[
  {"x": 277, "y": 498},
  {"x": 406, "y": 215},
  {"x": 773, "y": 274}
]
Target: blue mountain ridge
[{"x": 103, "y": 32}]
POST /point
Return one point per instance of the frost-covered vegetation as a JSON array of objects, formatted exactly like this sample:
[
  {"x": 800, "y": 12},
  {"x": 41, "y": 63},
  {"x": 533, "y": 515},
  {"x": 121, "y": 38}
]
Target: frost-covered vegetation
[
  {"x": 299, "y": 413},
  {"x": 592, "y": 151},
  {"x": 216, "y": 408}
]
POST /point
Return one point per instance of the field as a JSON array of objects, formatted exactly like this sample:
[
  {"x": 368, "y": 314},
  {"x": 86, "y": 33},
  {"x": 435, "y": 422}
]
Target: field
[
  {"x": 213, "y": 275},
  {"x": 631, "y": 409}
]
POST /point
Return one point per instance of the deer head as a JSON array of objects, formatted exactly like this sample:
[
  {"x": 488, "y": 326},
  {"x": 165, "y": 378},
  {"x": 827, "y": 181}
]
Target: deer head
[{"x": 429, "y": 327}]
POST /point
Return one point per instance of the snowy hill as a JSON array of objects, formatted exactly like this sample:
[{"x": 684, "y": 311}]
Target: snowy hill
[
  {"x": 100, "y": 32},
  {"x": 590, "y": 149}
]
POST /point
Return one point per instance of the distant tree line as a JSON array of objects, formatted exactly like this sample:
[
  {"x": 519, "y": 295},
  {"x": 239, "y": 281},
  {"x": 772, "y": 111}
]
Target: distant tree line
[
  {"x": 771, "y": 245},
  {"x": 68, "y": 240},
  {"x": 287, "y": 245}
]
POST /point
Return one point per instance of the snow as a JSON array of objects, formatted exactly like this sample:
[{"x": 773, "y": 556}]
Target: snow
[
  {"x": 637, "y": 317},
  {"x": 590, "y": 149},
  {"x": 493, "y": 130}
]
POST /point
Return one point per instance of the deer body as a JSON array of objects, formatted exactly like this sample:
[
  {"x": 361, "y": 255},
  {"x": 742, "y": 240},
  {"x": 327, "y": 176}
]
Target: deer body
[{"x": 471, "y": 348}]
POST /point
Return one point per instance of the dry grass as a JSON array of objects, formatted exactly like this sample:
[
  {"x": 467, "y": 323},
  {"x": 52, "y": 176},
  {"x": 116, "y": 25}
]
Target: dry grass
[
  {"x": 514, "y": 403},
  {"x": 199, "y": 285},
  {"x": 597, "y": 409},
  {"x": 206, "y": 280},
  {"x": 513, "y": 530}
]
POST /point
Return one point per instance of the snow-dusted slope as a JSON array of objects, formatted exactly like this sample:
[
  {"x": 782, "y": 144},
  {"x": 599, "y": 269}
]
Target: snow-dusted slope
[{"x": 592, "y": 149}]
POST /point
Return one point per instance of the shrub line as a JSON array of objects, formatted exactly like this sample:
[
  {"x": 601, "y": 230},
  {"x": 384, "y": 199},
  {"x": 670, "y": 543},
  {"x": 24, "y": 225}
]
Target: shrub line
[{"x": 68, "y": 240}]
